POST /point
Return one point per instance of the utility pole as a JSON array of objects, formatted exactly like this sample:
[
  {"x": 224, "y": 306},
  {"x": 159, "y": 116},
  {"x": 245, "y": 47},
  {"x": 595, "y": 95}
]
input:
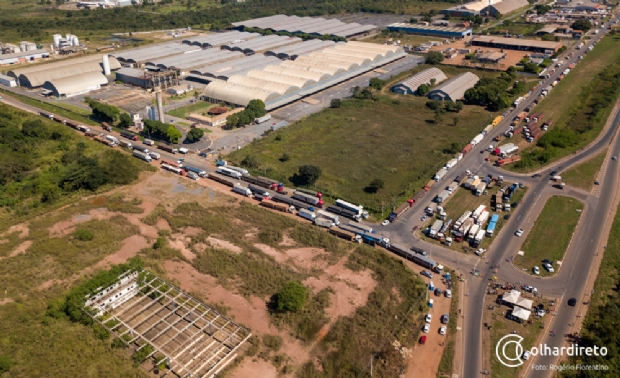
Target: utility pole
[{"x": 371, "y": 357}]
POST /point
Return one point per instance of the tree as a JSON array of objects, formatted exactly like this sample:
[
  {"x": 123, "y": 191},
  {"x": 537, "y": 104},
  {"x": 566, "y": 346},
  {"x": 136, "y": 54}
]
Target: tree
[
  {"x": 434, "y": 57},
  {"x": 438, "y": 116},
  {"x": 173, "y": 134},
  {"x": 124, "y": 120},
  {"x": 375, "y": 185},
  {"x": 455, "y": 121},
  {"x": 103, "y": 111},
  {"x": 423, "y": 89},
  {"x": 336, "y": 103},
  {"x": 433, "y": 105},
  {"x": 413, "y": 20},
  {"x": 232, "y": 120},
  {"x": 458, "y": 107},
  {"x": 250, "y": 161},
  {"x": 257, "y": 108},
  {"x": 433, "y": 81},
  {"x": 195, "y": 134},
  {"x": 292, "y": 297},
  {"x": 308, "y": 174},
  {"x": 376, "y": 83},
  {"x": 581, "y": 24}
]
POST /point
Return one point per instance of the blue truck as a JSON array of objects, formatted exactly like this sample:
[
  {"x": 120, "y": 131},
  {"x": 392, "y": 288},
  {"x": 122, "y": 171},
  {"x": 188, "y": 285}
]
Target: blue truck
[
  {"x": 197, "y": 171},
  {"x": 492, "y": 224}
]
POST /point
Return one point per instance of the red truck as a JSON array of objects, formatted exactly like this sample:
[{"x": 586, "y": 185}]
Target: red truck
[{"x": 467, "y": 149}]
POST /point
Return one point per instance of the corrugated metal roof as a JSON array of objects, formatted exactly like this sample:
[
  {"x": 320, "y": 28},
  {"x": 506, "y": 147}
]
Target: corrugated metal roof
[
  {"x": 316, "y": 76},
  {"x": 50, "y": 66},
  {"x": 315, "y": 67},
  {"x": 217, "y": 39},
  {"x": 161, "y": 50},
  {"x": 76, "y": 84},
  {"x": 281, "y": 78},
  {"x": 309, "y": 25},
  {"x": 326, "y": 62},
  {"x": 293, "y": 51},
  {"x": 24, "y": 54},
  {"x": 264, "y": 85},
  {"x": 130, "y": 72},
  {"x": 550, "y": 45},
  {"x": 200, "y": 58},
  {"x": 455, "y": 88},
  {"x": 452, "y": 29},
  {"x": 236, "y": 94},
  {"x": 424, "y": 77},
  {"x": 480, "y": 4},
  {"x": 37, "y": 78},
  {"x": 234, "y": 66},
  {"x": 263, "y": 43},
  {"x": 508, "y": 6}
]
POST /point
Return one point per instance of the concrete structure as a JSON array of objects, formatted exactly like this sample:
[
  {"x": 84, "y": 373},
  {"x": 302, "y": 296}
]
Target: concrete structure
[
  {"x": 8, "y": 81},
  {"x": 492, "y": 57},
  {"x": 281, "y": 83},
  {"x": 430, "y": 30},
  {"x": 34, "y": 77},
  {"x": 580, "y": 5},
  {"x": 316, "y": 26},
  {"x": 132, "y": 76},
  {"x": 70, "y": 86},
  {"x": 160, "y": 107},
  {"x": 515, "y": 44},
  {"x": 454, "y": 89},
  {"x": 23, "y": 56},
  {"x": 411, "y": 84}
]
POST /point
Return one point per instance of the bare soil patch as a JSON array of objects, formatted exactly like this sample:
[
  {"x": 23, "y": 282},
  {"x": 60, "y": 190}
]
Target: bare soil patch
[
  {"x": 181, "y": 246},
  {"x": 5, "y": 301},
  {"x": 287, "y": 241},
  {"x": 255, "y": 368},
  {"x": 66, "y": 227},
  {"x": 218, "y": 243},
  {"x": 251, "y": 313},
  {"x": 130, "y": 248},
  {"x": 309, "y": 258},
  {"x": 191, "y": 231},
  {"x": 23, "y": 230},
  {"x": 162, "y": 224},
  {"x": 270, "y": 251},
  {"x": 22, "y": 248}
]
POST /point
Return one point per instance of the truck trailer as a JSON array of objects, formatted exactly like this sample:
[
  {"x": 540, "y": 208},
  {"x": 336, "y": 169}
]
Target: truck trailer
[
  {"x": 399, "y": 211},
  {"x": 323, "y": 222},
  {"x": 307, "y": 214},
  {"x": 327, "y": 215},
  {"x": 239, "y": 189},
  {"x": 362, "y": 227},
  {"x": 142, "y": 156},
  {"x": 358, "y": 210},
  {"x": 197, "y": 171},
  {"x": 229, "y": 172},
  {"x": 349, "y": 236},
  {"x": 303, "y": 197},
  {"x": 277, "y": 206},
  {"x": 167, "y": 149}
]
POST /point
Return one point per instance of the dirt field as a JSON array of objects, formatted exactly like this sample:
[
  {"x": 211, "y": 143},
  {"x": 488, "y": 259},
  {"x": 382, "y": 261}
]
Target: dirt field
[{"x": 512, "y": 56}]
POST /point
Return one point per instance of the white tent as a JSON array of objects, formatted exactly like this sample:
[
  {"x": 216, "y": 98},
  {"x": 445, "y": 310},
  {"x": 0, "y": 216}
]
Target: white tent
[
  {"x": 521, "y": 313},
  {"x": 512, "y": 297}
]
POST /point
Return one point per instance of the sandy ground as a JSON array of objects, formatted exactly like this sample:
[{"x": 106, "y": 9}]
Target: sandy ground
[
  {"x": 218, "y": 243},
  {"x": 22, "y": 248},
  {"x": 512, "y": 56},
  {"x": 68, "y": 226},
  {"x": 131, "y": 246}
]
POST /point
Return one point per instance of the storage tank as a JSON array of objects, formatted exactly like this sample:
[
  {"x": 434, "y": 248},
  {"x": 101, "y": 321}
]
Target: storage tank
[
  {"x": 75, "y": 41},
  {"x": 106, "y": 64},
  {"x": 31, "y": 47},
  {"x": 22, "y": 45},
  {"x": 57, "y": 38}
]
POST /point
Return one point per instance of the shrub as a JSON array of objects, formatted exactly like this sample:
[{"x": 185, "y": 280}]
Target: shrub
[
  {"x": 195, "y": 134},
  {"x": 292, "y": 297},
  {"x": 309, "y": 174},
  {"x": 159, "y": 243},
  {"x": 434, "y": 57},
  {"x": 375, "y": 185},
  {"x": 84, "y": 234}
]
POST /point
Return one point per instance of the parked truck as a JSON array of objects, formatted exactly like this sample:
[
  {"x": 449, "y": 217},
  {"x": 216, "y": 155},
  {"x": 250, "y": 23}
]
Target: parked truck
[
  {"x": 461, "y": 219},
  {"x": 323, "y": 222},
  {"x": 349, "y": 236},
  {"x": 440, "y": 174},
  {"x": 435, "y": 228},
  {"x": 154, "y": 155},
  {"x": 197, "y": 171},
  {"x": 478, "y": 238},
  {"x": 359, "y": 210},
  {"x": 491, "y": 228},
  {"x": 240, "y": 189},
  {"x": 327, "y": 215},
  {"x": 482, "y": 219},
  {"x": 142, "y": 156},
  {"x": 467, "y": 148},
  {"x": 479, "y": 210},
  {"x": 307, "y": 214},
  {"x": 259, "y": 193},
  {"x": 277, "y": 206},
  {"x": 399, "y": 211},
  {"x": 362, "y": 227},
  {"x": 313, "y": 200},
  {"x": 229, "y": 172},
  {"x": 480, "y": 189},
  {"x": 477, "y": 139},
  {"x": 261, "y": 181},
  {"x": 167, "y": 149},
  {"x": 221, "y": 179},
  {"x": 473, "y": 231},
  {"x": 443, "y": 196},
  {"x": 342, "y": 212},
  {"x": 291, "y": 201}
]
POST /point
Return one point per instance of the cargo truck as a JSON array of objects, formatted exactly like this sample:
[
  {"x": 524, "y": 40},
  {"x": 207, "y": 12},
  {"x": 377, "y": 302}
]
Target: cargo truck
[
  {"x": 480, "y": 189},
  {"x": 260, "y": 181},
  {"x": 435, "y": 228},
  {"x": 130, "y": 136},
  {"x": 197, "y": 171},
  {"x": 358, "y": 210},
  {"x": 440, "y": 174},
  {"x": 461, "y": 219},
  {"x": 491, "y": 228},
  {"x": 442, "y": 197},
  {"x": 229, "y": 172},
  {"x": 342, "y": 212},
  {"x": 243, "y": 171},
  {"x": 291, "y": 201},
  {"x": 92, "y": 133},
  {"x": 467, "y": 225},
  {"x": 362, "y": 227},
  {"x": 222, "y": 180},
  {"x": 171, "y": 163},
  {"x": 349, "y": 236},
  {"x": 479, "y": 210},
  {"x": 141, "y": 149},
  {"x": 306, "y": 214},
  {"x": 469, "y": 182},
  {"x": 142, "y": 156},
  {"x": 303, "y": 197},
  {"x": 477, "y": 139},
  {"x": 452, "y": 187},
  {"x": 473, "y": 231},
  {"x": 478, "y": 238},
  {"x": 277, "y": 206},
  {"x": 258, "y": 192},
  {"x": 172, "y": 169},
  {"x": 237, "y": 188},
  {"x": 327, "y": 215},
  {"x": 429, "y": 185},
  {"x": 518, "y": 101},
  {"x": 417, "y": 197},
  {"x": 399, "y": 211},
  {"x": 112, "y": 139},
  {"x": 167, "y": 149},
  {"x": 104, "y": 141},
  {"x": 154, "y": 155},
  {"x": 482, "y": 219},
  {"x": 323, "y": 222},
  {"x": 467, "y": 148}
]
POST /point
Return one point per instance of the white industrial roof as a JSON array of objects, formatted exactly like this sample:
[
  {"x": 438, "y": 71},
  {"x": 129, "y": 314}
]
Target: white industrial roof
[
  {"x": 236, "y": 66},
  {"x": 49, "y": 66},
  {"x": 480, "y": 4},
  {"x": 264, "y": 85},
  {"x": 455, "y": 88},
  {"x": 218, "y": 39},
  {"x": 315, "y": 76},
  {"x": 315, "y": 62},
  {"x": 75, "y": 84},
  {"x": 281, "y": 78},
  {"x": 293, "y": 51},
  {"x": 144, "y": 54},
  {"x": 507, "y": 6},
  {"x": 309, "y": 25},
  {"x": 45, "y": 72},
  {"x": 424, "y": 77},
  {"x": 315, "y": 67},
  {"x": 262, "y": 44},
  {"x": 199, "y": 58},
  {"x": 24, "y": 54},
  {"x": 236, "y": 94}
]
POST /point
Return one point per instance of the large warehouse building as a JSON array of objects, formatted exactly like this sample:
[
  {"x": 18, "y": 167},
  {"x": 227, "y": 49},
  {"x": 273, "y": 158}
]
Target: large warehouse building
[
  {"x": 430, "y": 30},
  {"x": 23, "y": 57},
  {"x": 140, "y": 56},
  {"x": 220, "y": 39},
  {"x": 76, "y": 85},
  {"x": 316, "y": 26},
  {"x": 516, "y": 44},
  {"x": 411, "y": 85},
  {"x": 283, "y": 82},
  {"x": 35, "y": 77},
  {"x": 454, "y": 89},
  {"x": 486, "y": 7}
]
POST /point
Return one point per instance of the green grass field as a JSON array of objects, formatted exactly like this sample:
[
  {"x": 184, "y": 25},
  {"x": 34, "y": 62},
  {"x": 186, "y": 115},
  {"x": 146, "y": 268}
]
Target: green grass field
[
  {"x": 447, "y": 358},
  {"x": 584, "y": 175},
  {"x": 393, "y": 139},
  {"x": 197, "y": 107},
  {"x": 556, "y": 222}
]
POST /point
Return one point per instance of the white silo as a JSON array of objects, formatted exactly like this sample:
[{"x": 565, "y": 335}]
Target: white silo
[
  {"x": 57, "y": 38},
  {"x": 106, "y": 64},
  {"x": 75, "y": 41},
  {"x": 22, "y": 45},
  {"x": 31, "y": 46},
  {"x": 69, "y": 40}
]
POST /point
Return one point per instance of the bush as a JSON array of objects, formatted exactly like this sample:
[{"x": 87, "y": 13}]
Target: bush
[
  {"x": 5, "y": 363},
  {"x": 292, "y": 297},
  {"x": 375, "y": 185},
  {"x": 336, "y": 103},
  {"x": 377, "y": 83},
  {"x": 272, "y": 342},
  {"x": 124, "y": 120},
  {"x": 309, "y": 174},
  {"x": 284, "y": 158},
  {"x": 423, "y": 89},
  {"x": 84, "y": 234},
  {"x": 195, "y": 134},
  {"x": 434, "y": 57},
  {"x": 103, "y": 111},
  {"x": 159, "y": 243}
]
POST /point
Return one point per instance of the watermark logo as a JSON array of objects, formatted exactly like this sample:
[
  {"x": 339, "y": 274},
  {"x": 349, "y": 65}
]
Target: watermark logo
[{"x": 509, "y": 350}]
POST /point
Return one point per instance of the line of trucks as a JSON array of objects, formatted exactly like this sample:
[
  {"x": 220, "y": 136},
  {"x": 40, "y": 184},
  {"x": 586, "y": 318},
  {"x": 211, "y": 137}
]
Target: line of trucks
[{"x": 470, "y": 227}]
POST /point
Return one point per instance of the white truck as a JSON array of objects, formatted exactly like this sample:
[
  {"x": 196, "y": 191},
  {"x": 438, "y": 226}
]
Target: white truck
[
  {"x": 518, "y": 101},
  {"x": 479, "y": 210},
  {"x": 142, "y": 156},
  {"x": 480, "y": 189},
  {"x": 461, "y": 219},
  {"x": 155, "y": 155},
  {"x": 435, "y": 228},
  {"x": 307, "y": 214},
  {"x": 473, "y": 231},
  {"x": 439, "y": 175},
  {"x": 479, "y": 236},
  {"x": 443, "y": 196},
  {"x": 477, "y": 139},
  {"x": 451, "y": 163},
  {"x": 242, "y": 190},
  {"x": 330, "y": 216},
  {"x": 483, "y": 218},
  {"x": 228, "y": 172},
  {"x": 112, "y": 139},
  {"x": 243, "y": 171},
  {"x": 322, "y": 222}
]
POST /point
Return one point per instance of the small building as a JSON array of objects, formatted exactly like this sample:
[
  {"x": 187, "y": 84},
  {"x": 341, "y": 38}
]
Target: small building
[
  {"x": 132, "y": 76},
  {"x": 411, "y": 84},
  {"x": 454, "y": 89},
  {"x": 515, "y": 43},
  {"x": 215, "y": 121},
  {"x": 75, "y": 85},
  {"x": 492, "y": 57},
  {"x": 435, "y": 31},
  {"x": 504, "y": 7},
  {"x": 177, "y": 90},
  {"x": 23, "y": 57},
  {"x": 8, "y": 81},
  {"x": 547, "y": 29}
]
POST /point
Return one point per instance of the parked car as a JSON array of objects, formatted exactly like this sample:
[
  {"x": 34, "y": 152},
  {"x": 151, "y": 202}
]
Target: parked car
[
  {"x": 547, "y": 261},
  {"x": 385, "y": 222},
  {"x": 429, "y": 318},
  {"x": 614, "y": 158},
  {"x": 438, "y": 292},
  {"x": 426, "y": 273},
  {"x": 519, "y": 232},
  {"x": 448, "y": 293},
  {"x": 536, "y": 270},
  {"x": 526, "y": 355},
  {"x": 442, "y": 330},
  {"x": 549, "y": 268},
  {"x": 445, "y": 318},
  {"x": 572, "y": 302},
  {"x": 427, "y": 328},
  {"x": 423, "y": 339}
]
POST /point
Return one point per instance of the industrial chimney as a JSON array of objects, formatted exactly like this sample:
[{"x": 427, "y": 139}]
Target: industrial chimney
[
  {"x": 106, "y": 65},
  {"x": 160, "y": 107}
]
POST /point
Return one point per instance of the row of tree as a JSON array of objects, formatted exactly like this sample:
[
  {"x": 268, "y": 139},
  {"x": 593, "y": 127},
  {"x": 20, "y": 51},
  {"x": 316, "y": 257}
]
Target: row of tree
[
  {"x": 492, "y": 91},
  {"x": 255, "y": 109},
  {"x": 162, "y": 130}
]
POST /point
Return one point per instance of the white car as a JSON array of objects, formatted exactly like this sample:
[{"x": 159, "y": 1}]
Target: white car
[
  {"x": 183, "y": 150},
  {"x": 526, "y": 355},
  {"x": 519, "y": 232},
  {"x": 385, "y": 222},
  {"x": 448, "y": 293},
  {"x": 427, "y": 328},
  {"x": 536, "y": 270},
  {"x": 428, "y": 318},
  {"x": 480, "y": 251},
  {"x": 549, "y": 268},
  {"x": 442, "y": 330}
]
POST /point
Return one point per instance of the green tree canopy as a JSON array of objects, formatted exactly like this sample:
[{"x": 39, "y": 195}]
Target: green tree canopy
[
  {"x": 292, "y": 297},
  {"x": 434, "y": 57},
  {"x": 423, "y": 90},
  {"x": 104, "y": 112},
  {"x": 582, "y": 24},
  {"x": 173, "y": 134},
  {"x": 124, "y": 120},
  {"x": 309, "y": 174},
  {"x": 195, "y": 134}
]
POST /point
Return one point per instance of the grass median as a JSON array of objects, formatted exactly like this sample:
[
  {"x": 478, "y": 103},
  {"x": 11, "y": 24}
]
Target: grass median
[
  {"x": 584, "y": 175},
  {"x": 551, "y": 234},
  {"x": 197, "y": 107}
]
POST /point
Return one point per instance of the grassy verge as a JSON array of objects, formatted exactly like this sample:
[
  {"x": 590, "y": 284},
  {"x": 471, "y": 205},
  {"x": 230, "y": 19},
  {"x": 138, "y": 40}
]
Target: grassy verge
[
  {"x": 197, "y": 107},
  {"x": 599, "y": 327},
  {"x": 447, "y": 358},
  {"x": 556, "y": 222},
  {"x": 464, "y": 200},
  {"x": 584, "y": 175},
  {"x": 62, "y": 110},
  {"x": 579, "y": 106}
]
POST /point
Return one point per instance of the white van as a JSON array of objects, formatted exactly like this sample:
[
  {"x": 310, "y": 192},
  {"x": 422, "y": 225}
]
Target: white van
[
  {"x": 183, "y": 150},
  {"x": 148, "y": 142}
]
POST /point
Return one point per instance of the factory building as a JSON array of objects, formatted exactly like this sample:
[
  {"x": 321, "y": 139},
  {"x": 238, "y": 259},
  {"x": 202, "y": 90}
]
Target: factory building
[
  {"x": 287, "y": 81},
  {"x": 315, "y": 26},
  {"x": 411, "y": 84},
  {"x": 485, "y": 7},
  {"x": 184, "y": 63},
  {"x": 34, "y": 77},
  {"x": 76, "y": 85},
  {"x": 294, "y": 51},
  {"x": 454, "y": 89},
  {"x": 261, "y": 44},
  {"x": 23, "y": 57},
  {"x": 138, "y": 57},
  {"x": 220, "y": 39},
  {"x": 239, "y": 66},
  {"x": 504, "y": 7},
  {"x": 8, "y": 81},
  {"x": 132, "y": 76},
  {"x": 516, "y": 44},
  {"x": 430, "y": 30}
]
